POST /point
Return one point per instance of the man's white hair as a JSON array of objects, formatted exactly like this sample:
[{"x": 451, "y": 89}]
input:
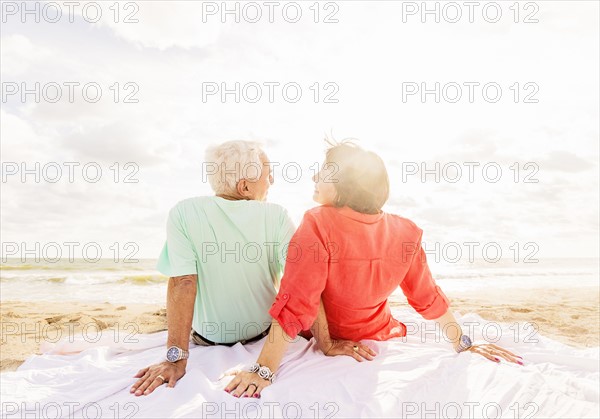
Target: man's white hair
[{"x": 228, "y": 163}]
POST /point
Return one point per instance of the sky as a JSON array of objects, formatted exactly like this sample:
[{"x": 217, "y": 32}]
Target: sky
[{"x": 533, "y": 150}]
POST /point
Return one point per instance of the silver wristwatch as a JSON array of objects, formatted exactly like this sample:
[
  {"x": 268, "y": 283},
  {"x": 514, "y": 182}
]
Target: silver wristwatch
[
  {"x": 263, "y": 372},
  {"x": 464, "y": 343},
  {"x": 175, "y": 354}
]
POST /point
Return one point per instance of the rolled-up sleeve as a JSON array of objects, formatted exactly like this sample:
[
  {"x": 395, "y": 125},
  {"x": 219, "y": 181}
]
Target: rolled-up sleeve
[
  {"x": 304, "y": 279},
  {"x": 178, "y": 256},
  {"x": 420, "y": 288}
]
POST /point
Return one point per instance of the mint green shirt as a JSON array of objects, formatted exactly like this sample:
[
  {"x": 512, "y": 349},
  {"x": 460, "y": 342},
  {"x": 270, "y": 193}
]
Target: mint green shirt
[{"x": 237, "y": 249}]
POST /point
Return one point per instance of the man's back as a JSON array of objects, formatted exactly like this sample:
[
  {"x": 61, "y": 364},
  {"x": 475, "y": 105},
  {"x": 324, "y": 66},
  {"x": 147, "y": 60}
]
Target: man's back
[{"x": 237, "y": 249}]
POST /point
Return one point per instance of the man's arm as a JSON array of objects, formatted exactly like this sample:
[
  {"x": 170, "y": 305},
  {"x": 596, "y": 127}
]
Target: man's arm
[{"x": 181, "y": 296}]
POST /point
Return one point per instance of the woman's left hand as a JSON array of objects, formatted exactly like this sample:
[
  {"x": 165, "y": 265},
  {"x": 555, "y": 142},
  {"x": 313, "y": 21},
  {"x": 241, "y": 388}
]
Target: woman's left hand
[
  {"x": 495, "y": 352},
  {"x": 246, "y": 384}
]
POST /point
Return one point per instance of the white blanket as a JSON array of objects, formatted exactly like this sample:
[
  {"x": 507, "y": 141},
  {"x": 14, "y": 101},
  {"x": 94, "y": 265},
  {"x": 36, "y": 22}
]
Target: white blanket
[{"x": 411, "y": 377}]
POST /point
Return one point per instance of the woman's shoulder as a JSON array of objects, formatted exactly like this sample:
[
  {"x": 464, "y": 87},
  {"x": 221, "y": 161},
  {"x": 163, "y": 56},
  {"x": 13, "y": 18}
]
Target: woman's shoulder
[
  {"x": 404, "y": 223},
  {"x": 321, "y": 211}
]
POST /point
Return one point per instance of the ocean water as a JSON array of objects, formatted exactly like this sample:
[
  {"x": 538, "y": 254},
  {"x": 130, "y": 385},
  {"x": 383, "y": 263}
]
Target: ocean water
[{"x": 140, "y": 282}]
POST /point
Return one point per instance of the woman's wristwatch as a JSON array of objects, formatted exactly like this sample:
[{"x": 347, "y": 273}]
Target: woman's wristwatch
[
  {"x": 263, "y": 372},
  {"x": 464, "y": 343}
]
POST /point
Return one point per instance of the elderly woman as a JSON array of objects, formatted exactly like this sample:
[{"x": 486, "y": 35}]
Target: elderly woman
[
  {"x": 351, "y": 256},
  {"x": 224, "y": 255}
]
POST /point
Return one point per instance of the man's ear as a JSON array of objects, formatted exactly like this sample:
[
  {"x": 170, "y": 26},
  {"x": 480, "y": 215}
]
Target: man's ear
[{"x": 242, "y": 188}]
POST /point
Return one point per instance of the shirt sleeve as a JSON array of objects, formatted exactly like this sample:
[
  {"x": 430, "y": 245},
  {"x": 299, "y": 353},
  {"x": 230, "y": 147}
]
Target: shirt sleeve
[
  {"x": 420, "y": 288},
  {"x": 178, "y": 256},
  {"x": 305, "y": 275}
]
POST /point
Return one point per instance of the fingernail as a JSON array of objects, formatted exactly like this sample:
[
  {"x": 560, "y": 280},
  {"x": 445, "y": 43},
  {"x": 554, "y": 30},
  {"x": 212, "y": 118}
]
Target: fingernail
[
  {"x": 227, "y": 390},
  {"x": 138, "y": 393},
  {"x": 519, "y": 362},
  {"x": 255, "y": 395},
  {"x": 497, "y": 360}
]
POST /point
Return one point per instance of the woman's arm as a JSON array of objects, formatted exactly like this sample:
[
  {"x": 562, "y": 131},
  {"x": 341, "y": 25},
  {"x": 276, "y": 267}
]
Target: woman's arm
[
  {"x": 250, "y": 384},
  {"x": 450, "y": 328},
  {"x": 453, "y": 332},
  {"x": 320, "y": 330},
  {"x": 296, "y": 306},
  {"x": 331, "y": 347}
]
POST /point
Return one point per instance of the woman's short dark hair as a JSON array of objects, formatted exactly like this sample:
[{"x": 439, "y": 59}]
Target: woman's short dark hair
[{"x": 360, "y": 178}]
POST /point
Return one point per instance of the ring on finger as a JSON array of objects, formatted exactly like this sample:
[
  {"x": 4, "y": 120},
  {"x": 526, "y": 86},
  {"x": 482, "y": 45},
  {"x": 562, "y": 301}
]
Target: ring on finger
[
  {"x": 253, "y": 384},
  {"x": 160, "y": 377},
  {"x": 355, "y": 348}
]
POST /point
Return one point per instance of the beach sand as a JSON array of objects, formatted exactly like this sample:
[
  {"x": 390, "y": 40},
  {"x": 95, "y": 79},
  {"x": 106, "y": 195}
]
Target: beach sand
[{"x": 570, "y": 316}]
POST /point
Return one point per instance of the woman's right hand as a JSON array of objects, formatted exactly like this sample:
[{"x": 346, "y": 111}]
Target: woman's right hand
[{"x": 356, "y": 350}]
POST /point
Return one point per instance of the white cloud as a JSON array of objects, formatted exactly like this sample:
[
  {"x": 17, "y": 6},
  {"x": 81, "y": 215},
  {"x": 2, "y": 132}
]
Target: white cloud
[
  {"x": 162, "y": 25},
  {"x": 18, "y": 54}
]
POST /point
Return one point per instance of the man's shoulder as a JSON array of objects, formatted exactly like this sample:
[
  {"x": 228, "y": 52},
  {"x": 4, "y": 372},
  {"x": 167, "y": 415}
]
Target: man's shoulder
[
  {"x": 190, "y": 202},
  {"x": 197, "y": 202},
  {"x": 273, "y": 207}
]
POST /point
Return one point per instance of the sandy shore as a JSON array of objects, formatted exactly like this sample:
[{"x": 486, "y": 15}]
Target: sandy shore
[
  {"x": 27, "y": 325},
  {"x": 569, "y": 316}
]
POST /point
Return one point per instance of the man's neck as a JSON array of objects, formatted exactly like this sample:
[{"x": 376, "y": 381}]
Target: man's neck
[{"x": 232, "y": 197}]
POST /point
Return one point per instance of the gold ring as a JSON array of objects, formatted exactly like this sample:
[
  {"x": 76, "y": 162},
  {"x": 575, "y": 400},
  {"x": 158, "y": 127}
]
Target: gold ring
[
  {"x": 252, "y": 384},
  {"x": 161, "y": 378},
  {"x": 355, "y": 348}
]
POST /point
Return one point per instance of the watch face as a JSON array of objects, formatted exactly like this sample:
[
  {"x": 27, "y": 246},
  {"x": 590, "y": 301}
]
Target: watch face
[
  {"x": 465, "y": 341},
  {"x": 173, "y": 354}
]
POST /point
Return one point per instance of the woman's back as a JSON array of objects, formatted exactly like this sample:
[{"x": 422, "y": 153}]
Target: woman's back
[{"x": 354, "y": 261}]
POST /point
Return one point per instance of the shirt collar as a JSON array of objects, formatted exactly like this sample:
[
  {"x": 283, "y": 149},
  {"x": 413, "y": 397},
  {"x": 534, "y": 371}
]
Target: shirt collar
[{"x": 359, "y": 216}]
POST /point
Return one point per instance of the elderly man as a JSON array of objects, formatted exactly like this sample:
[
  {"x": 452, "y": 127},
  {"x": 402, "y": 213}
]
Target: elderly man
[{"x": 224, "y": 255}]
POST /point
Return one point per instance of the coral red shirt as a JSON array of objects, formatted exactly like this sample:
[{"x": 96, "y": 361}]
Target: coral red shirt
[{"x": 354, "y": 261}]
